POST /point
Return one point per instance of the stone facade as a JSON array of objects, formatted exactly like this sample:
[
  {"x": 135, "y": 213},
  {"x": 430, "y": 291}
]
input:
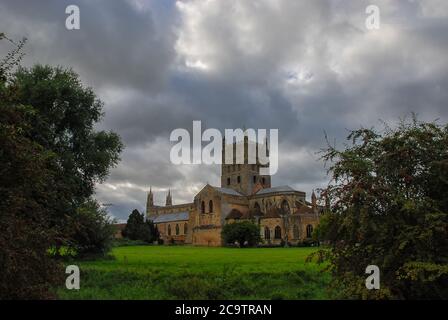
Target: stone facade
[{"x": 282, "y": 213}]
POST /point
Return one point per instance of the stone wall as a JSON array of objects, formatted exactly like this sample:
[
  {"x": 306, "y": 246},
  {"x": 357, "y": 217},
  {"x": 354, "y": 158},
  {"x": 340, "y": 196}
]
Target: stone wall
[
  {"x": 173, "y": 237},
  {"x": 207, "y": 236},
  {"x": 271, "y": 224}
]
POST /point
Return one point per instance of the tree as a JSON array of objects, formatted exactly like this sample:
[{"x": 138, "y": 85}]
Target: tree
[
  {"x": 133, "y": 228},
  {"x": 151, "y": 233},
  {"x": 64, "y": 115},
  {"x": 139, "y": 229},
  {"x": 93, "y": 230},
  {"x": 26, "y": 170},
  {"x": 389, "y": 207},
  {"x": 245, "y": 233},
  {"x": 50, "y": 159},
  {"x": 12, "y": 59},
  {"x": 27, "y": 271}
]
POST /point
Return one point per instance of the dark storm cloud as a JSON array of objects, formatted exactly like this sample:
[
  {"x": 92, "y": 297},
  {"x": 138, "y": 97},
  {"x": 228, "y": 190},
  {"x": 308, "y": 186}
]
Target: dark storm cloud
[
  {"x": 140, "y": 118},
  {"x": 117, "y": 44},
  {"x": 303, "y": 67},
  {"x": 225, "y": 103}
]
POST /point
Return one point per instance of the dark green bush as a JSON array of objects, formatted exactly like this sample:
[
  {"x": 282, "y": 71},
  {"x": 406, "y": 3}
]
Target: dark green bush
[
  {"x": 389, "y": 207},
  {"x": 92, "y": 230},
  {"x": 139, "y": 229},
  {"x": 246, "y": 234}
]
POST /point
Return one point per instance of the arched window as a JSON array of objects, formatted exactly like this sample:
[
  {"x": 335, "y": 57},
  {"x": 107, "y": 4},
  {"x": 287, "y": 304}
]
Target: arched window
[
  {"x": 278, "y": 232},
  {"x": 169, "y": 229},
  {"x": 210, "y": 206},
  {"x": 238, "y": 179},
  {"x": 185, "y": 228},
  {"x": 177, "y": 229},
  {"x": 228, "y": 181},
  {"x": 257, "y": 207},
  {"x": 267, "y": 233},
  {"x": 255, "y": 179},
  {"x": 309, "y": 231},
  {"x": 285, "y": 207},
  {"x": 295, "y": 231},
  {"x": 202, "y": 207}
]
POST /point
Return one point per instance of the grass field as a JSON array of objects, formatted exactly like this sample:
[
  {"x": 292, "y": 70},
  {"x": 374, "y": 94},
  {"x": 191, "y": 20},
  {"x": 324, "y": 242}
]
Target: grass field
[{"x": 180, "y": 272}]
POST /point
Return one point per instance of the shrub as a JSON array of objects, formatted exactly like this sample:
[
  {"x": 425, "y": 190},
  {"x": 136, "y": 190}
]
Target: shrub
[
  {"x": 283, "y": 242},
  {"x": 124, "y": 242},
  {"x": 245, "y": 233},
  {"x": 93, "y": 230},
  {"x": 27, "y": 270},
  {"x": 389, "y": 207},
  {"x": 308, "y": 243}
]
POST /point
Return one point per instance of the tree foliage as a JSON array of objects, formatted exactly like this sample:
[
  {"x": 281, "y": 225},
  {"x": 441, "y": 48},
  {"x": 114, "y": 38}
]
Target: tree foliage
[
  {"x": 26, "y": 170},
  {"x": 139, "y": 229},
  {"x": 66, "y": 113},
  {"x": 92, "y": 229},
  {"x": 27, "y": 271},
  {"x": 51, "y": 156},
  {"x": 244, "y": 233},
  {"x": 12, "y": 58},
  {"x": 389, "y": 207}
]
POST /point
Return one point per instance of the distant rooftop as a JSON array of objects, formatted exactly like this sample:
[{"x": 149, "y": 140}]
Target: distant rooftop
[{"x": 170, "y": 217}]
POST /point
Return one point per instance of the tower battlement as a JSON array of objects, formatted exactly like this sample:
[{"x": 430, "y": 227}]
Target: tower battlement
[{"x": 244, "y": 177}]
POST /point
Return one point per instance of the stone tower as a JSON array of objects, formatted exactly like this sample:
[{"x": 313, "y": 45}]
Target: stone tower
[
  {"x": 243, "y": 177},
  {"x": 149, "y": 201},
  {"x": 169, "y": 200}
]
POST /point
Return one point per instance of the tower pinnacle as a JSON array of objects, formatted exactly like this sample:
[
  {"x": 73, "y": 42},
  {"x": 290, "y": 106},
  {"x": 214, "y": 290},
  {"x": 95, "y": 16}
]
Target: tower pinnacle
[
  {"x": 169, "y": 200},
  {"x": 149, "y": 201}
]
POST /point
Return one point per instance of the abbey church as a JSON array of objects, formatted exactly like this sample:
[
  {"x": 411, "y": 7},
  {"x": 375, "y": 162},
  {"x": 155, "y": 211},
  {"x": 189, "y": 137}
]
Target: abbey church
[{"x": 282, "y": 213}]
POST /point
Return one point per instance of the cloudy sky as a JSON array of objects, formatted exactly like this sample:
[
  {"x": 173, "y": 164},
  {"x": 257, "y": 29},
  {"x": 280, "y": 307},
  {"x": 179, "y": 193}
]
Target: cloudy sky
[{"x": 303, "y": 67}]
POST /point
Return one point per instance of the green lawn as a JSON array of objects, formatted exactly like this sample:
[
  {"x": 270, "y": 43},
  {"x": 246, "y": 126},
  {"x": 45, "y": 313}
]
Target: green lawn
[{"x": 182, "y": 272}]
